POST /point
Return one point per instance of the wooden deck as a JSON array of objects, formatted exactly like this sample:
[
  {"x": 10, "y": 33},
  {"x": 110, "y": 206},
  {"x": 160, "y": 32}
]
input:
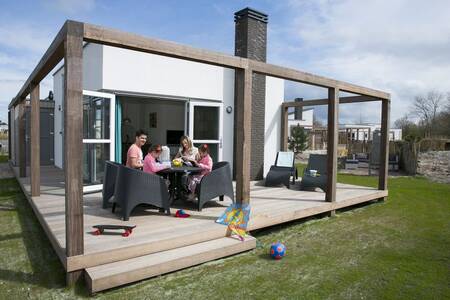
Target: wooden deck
[{"x": 157, "y": 233}]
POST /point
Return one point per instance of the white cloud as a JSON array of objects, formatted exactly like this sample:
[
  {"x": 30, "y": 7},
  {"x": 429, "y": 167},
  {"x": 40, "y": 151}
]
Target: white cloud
[
  {"x": 71, "y": 6},
  {"x": 25, "y": 37},
  {"x": 401, "y": 46}
]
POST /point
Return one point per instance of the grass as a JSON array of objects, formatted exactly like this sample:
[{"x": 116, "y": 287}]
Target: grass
[{"x": 398, "y": 249}]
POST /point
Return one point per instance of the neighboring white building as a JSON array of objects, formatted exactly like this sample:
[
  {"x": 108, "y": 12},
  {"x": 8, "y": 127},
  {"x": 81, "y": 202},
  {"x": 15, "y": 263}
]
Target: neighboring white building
[
  {"x": 306, "y": 121},
  {"x": 3, "y": 127},
  {"x": 364, "y": 132}
]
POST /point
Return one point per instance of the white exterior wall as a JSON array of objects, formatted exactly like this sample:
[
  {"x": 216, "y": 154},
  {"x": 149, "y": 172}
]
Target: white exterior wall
[
  {"x": 92, "y": 80},
  {"x": 138, "y": 72},
  {"x": 272, "y": 125},
  {"x": 143, "y": 73}
]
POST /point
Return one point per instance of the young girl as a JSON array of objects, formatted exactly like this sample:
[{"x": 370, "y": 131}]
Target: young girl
[
  {"x": 205, "y": 163},
  {"x": 150, "y": 163}
]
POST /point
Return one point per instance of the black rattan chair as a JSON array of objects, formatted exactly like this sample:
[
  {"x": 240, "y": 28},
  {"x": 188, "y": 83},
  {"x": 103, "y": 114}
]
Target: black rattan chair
[
  {"x": 134, "y": 187},
  {"x": 109, "y": 182},
  {"x": 283, "y": 170},
  {"x": 218, "y": 183},
  {"x": 316, "y": 162}
]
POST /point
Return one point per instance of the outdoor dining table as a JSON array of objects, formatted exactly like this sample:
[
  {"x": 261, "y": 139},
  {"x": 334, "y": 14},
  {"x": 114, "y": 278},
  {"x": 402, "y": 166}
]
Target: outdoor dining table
[{"x": 174, "y": 174}]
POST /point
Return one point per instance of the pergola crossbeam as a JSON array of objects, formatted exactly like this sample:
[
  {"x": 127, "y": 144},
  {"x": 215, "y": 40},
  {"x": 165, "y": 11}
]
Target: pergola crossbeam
[{"x": 342, "y": 100}]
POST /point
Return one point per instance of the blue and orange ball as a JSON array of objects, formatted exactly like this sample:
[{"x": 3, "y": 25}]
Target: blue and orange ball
[{"x": 277, "y": 250}]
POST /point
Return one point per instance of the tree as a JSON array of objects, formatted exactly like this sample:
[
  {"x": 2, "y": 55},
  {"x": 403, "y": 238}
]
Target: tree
[
  {"x": 298, "y": 139},
  {"x": 410, "y": 131},
  {"x": 443, "y": 120},
  {"x": 426, "y": 108}
]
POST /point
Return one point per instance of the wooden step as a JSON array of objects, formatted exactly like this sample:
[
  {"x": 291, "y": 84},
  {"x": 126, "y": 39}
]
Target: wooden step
[{"x": 122, "y": 272}]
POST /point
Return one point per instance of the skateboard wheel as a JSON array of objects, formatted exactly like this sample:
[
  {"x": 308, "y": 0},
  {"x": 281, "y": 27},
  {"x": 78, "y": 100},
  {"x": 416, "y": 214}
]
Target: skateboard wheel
[
  {"x": 126, "y": 233},
  {"x": 97, "y": 232}
]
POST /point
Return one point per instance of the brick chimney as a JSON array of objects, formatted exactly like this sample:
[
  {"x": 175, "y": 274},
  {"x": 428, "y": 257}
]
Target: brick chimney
[{"x": 251, "y": 42}]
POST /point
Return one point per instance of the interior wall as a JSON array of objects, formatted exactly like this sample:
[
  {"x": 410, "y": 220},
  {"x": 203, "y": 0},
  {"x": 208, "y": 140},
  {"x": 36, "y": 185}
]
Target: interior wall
[{"x": 170, "y": 115}]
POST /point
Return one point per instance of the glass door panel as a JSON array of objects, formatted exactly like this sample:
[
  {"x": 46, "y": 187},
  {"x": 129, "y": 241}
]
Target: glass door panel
[
  {"x": 205, "y": 126},
  {"x": 98, "y": 133}
]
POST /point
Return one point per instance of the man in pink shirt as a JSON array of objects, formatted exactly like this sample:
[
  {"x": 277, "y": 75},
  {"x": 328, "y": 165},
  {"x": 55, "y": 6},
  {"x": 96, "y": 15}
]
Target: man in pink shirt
[
  {"x": 150, "y": 163},
  {"x": 134, "y": 154}
]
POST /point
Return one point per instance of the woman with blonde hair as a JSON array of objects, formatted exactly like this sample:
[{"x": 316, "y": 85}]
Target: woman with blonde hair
[{"x": 187, "y": 151}]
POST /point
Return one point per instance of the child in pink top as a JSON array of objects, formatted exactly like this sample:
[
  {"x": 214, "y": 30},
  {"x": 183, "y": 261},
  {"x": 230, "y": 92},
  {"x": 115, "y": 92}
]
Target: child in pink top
[
  {"x": 204, "y": 161},
  {"x": 150, "y": 163}
]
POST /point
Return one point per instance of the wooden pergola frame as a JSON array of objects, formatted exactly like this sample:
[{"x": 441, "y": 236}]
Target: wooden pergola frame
[{"x": 68, "y": 44}]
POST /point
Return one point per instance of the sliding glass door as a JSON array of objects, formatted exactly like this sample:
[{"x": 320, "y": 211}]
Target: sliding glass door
[
  {"x": 205, "y": 126},
  {"x": 98, "y": 135}
]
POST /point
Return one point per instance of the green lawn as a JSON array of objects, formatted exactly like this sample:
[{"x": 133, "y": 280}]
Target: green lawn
[{"x": 398, "y": 249}]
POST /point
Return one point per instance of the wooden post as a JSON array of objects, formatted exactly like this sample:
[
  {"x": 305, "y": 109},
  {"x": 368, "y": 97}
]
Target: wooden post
[
  {"x": 22, "y": 142},
  {"x": 333, "y": 116},
  {"x": 73, "y": 142},
  {"x": 284, "y": 128},
  {"x": 243, "y": 94},
  {"x": 384, "y": 151},
  {"x": 35, "y": 163}
]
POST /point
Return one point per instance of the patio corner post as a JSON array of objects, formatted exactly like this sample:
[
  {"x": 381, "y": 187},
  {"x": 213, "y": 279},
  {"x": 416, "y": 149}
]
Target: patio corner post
[
  {"x": 73, "y": 142},
  {"x": 35, "y": 171},
  {"x": 384, "y": 151},
  {"x": 22, "y": 142},
  {"x": 243, "y": 94},
  {"x": 284, "y": 128},
  {"x": 333, "y": 117}
]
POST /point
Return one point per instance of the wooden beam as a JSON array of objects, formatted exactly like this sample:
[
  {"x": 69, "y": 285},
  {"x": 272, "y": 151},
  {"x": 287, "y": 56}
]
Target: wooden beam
[
  {"x": 49, "y": 60},
  {"x": 243, "y": 94},
  {"x": 73, "y": 142},
  {"x": 284, "y": 128},
  {"x": 384, "y": 151},
  {"x": 116, "y": 38},
  {"x": 342, "y": 100},
  {"x": 22, "y": 142},
  {"x": 333, "y": 117},
  {"x": 308, "y": 78},
  {"x": 35, "y": 163}
]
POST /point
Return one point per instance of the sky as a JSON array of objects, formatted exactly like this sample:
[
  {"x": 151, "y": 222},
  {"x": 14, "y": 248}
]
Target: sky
[{"x": 398, "y": 46}]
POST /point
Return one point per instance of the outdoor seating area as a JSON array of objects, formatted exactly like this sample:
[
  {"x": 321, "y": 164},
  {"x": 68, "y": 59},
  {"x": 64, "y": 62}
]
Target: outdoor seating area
[
  {"x": 159, "y": 233},
  {"x": 127, "y": 188}
]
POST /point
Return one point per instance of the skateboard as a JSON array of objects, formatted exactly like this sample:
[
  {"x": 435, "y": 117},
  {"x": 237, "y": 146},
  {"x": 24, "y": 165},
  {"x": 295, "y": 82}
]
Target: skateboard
[{"x": 100, "y": 228}]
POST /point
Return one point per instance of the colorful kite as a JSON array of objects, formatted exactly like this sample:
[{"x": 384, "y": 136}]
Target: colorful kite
[{"x": 236, "y": 217}]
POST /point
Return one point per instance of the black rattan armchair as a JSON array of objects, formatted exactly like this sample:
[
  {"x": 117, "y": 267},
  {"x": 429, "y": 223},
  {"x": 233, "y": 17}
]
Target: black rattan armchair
[
  {"x": 134, "y": 187},
  {"x": 218, "y": 183},
  {"x": 109, "y": 182}
]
